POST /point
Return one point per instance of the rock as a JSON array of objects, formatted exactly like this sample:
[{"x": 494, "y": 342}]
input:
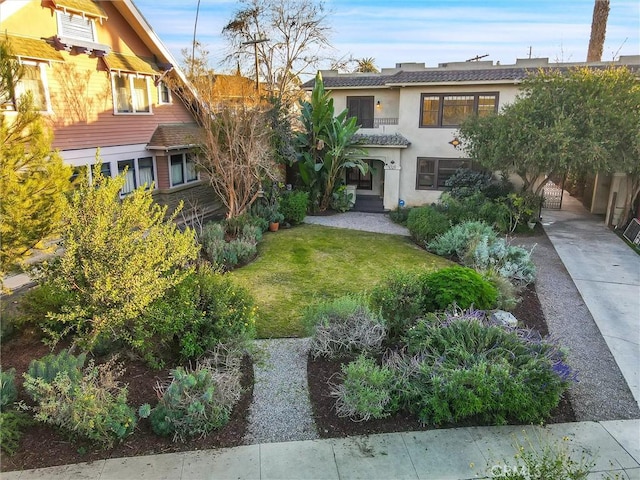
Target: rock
[{"x": 504, "y": 318}]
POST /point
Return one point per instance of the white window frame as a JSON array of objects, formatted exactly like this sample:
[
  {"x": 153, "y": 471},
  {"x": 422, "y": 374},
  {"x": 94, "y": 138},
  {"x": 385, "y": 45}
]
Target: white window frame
[
  {"x": 169, "y": 101},
  {"x": 136, "y": 173},
  {"x": 185, "y": 181},
  {"x": 130, "y": 78},
  {"x": 20, "y": 90},
  {"x": 63, "y": 33}
]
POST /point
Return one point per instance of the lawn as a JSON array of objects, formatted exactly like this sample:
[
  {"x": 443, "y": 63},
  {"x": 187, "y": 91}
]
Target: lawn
[{"x": 301, "y": 265}]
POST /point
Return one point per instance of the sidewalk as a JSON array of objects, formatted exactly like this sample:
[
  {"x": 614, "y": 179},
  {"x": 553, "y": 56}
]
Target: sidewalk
[
  {"x": 607, "y": 275},
  {"x": 461, "y": 453}
]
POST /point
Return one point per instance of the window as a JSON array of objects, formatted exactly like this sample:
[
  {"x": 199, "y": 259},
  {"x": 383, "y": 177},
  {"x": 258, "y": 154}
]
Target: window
[
  {"x": 131, "y": 93},
  {"x": 164, "y": 94},
  {"x": 33, "y": 81},
  {"x": 138, "y": 172},
  {"x": 448, "y": 110},
  {"x": 183, "y": 169},
  {"x": 432, "y": 173},
  {"x": 362, "y": 109},
  {"x": 75, "y": 26}
]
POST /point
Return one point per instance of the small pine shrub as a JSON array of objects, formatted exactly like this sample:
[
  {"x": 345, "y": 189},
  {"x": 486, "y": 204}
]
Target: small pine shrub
[
  {"x": 12, "y": 425},
  {"x": 93, "y": 407},
  {"x": 426, "y": 223},
  {"x": 366, "y": 391},
  {"x": 342, "y": 326},
  {"x": 293, "y": 205},
  {"x": 8, "y": 391},
  {"x": 50, "y": 366},
  {"x": 459, "y": 286},
  {"x": 197, "y": 401},
  {"x": 456, "y": 240},
  {"x": 400, "y": 300}
]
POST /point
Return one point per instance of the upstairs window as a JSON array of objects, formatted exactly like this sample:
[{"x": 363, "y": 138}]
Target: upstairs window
[
  {"x": 33, "y": 82},
  {"x": 449, "y": 110},
  {"x": 362, "y": 109},
  {"x": 164, "y": 94},
  {"x": 76, "y": 26},
  {"x": 131, "y": 93}
]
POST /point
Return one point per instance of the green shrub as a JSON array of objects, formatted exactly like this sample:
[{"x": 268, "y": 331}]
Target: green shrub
[
  {"x": 509, "y": 261},
  {"x": 400, "y": 215},
  {"x": 425, "y": 223},
  {"x": 459, "y": 286},
  {"x": 343, "y": 326},
  {"x": 8, "y": 391},
  {"x": 93, "y": 407},
  {"x": 466, "y": 182},
  {"x": 293, "y": 205},
  {"x": 197, "y": 401},
  {"x": 50, "y": 366},
  {"x": 455, "y": 241},
  {"x": 12, "y": 424},
  {"x": 225, "y": 254},
  {"x": 37, "y": 305},
  {"x": 400, "y": 300},
  {"x": 366, "y": 391},
  {"x": 463, "y": 366},
  {"x": 233, "y": 226},
  {"x": 341, "y": 199},
  {"x": 508, "y": 293}
]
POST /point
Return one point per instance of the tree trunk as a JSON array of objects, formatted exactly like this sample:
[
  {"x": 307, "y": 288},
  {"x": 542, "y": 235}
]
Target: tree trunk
[{"x": 598, "y": 30}]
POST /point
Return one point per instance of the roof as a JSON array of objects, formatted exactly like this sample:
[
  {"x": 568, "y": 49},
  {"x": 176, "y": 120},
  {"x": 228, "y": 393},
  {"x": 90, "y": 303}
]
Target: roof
[
  {"x": 33, "y": 48},
  {"x": 84, "y": 7},
  {"x": 131, "y": 63},
  {"x": 174, "y": 136},
  {"x": 392, "y": 140}
]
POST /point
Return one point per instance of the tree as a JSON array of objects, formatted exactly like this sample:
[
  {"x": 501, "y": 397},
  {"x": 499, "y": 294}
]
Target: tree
[
  {"x": 584, "y": 120},
  {"x": 326, "y": 145},
  {"x": 598, "y": 30},
  {"x": 234, "y": 147},
  {"x": 33, "y": 179},
  {"x": 296, "y": 34},
  {"x": 119, "y": 256},
  {"x": 367, "y": 65}
]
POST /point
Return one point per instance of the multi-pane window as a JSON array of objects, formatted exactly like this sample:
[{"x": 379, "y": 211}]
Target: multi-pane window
[
  {"x": 449, "y": 110},
  {"x": 164, "y": 94},
  {"x": 138, "y": 172},
  {"x": 432, "y": 173},
  {"x": 131, "y": 93},
  {"x": 33, "y": 82},
  {"x": 362, "y": 109},
  {"x": 183, "y": 169}
]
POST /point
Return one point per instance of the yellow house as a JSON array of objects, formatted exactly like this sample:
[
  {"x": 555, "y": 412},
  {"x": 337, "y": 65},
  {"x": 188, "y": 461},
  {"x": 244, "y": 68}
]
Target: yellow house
[{"x": 96, "y": 69}]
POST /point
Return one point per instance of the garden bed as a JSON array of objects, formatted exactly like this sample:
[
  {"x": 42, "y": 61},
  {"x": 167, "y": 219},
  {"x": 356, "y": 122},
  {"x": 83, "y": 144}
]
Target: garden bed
[{"x": 329, "y": 425}]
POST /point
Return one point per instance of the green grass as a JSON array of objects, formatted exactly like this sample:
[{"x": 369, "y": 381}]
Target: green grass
[{"x": 305, "y": 264}]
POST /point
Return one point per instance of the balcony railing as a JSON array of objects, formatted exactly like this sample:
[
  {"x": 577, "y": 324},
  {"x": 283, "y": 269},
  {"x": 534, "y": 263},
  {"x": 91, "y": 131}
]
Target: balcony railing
[{"x": 377, "y": 122}]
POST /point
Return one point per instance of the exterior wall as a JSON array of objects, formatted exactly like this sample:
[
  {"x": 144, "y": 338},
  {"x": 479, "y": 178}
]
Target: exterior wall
[
  {"x": 615, "y": 202},
  {"x": 388, "y": 111},
  {"x": 600, "y": 196}
]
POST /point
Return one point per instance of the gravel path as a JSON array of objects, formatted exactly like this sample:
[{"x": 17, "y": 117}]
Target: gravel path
[
  {"x": 281, "y": 411},
  {"x": 368, "y": 222}
]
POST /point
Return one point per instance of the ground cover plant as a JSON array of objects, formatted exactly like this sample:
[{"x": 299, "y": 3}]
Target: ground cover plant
[{"x": 310, "y": 263}]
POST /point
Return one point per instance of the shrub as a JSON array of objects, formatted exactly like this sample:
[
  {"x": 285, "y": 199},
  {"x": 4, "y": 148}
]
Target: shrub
[
  {"x": 293, "y": 205},
  {"x": 341, "y": 199},
  {"x": 425, "y": 223},
  {"x": 197, "y": 401},
  {"x": 400, "y": 300},
  {"x": 508, "y": 293},
  {"x": 366, "y": 391},
  {"x": 343, "y": 326},
  {"x": 93, "y": 407},
  {"x": 225, "y": 254},
  {"x": 509, "y": 261},
  {"x": 50, "y": 366},
  {"x": 233, "y": 226},
  {"x": 459, "y": 286},
  {"x": 8, "y": 391},
  {"x": 12, "y": 424},
  {"x": 465, "y": 182},
  {"x": 400, "y": 215},
  {"x": 37, "y": 305},
  {"x": 463, "y": 367},
  {"x": 455, "y": 241}
]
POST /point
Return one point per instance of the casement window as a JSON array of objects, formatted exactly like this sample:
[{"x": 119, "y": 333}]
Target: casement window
[
  {"x": 76, "y": 26},
  {"x": 164, "y": 94},
  {"x": 362, "y": 109},
  {"x": 34, "y": 82},
  {"x": 131, "y": 93},
  {"x": 450, "y": 110},
  {"x": 183, "y": 169},
  {"x": 432, "y": 173},
  {"x": 139, "y": 172}
]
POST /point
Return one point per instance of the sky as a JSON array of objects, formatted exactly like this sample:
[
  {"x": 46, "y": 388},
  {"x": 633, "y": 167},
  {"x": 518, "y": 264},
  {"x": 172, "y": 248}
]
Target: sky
[{"x": 427, "y": 31}]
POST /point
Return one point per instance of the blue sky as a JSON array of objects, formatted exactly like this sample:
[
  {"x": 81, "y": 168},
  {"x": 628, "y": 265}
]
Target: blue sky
[{"x": 428, "y": 31}]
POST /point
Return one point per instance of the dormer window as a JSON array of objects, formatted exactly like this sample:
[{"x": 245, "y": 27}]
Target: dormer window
[{"x": 76, "y": 26}]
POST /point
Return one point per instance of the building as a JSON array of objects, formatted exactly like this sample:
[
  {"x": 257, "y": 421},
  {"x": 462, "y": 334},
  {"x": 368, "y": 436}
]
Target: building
[
  {"x": 97, "y": 71},
  {"x": 409, "y": 117}
]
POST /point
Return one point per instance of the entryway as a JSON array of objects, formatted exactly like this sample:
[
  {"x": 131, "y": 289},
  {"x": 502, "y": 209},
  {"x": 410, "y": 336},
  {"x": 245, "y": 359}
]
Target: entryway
[{"x": 369, "y": 187}]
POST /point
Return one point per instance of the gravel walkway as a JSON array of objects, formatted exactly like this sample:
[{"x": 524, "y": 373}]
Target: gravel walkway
[
  {"x": 368, "y": 222},
  {"x": 281, "y": 411}
]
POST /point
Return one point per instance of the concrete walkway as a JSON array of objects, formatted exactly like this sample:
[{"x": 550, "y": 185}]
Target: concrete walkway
[
  {"x": 462, "y": 453},
  {"x": 607, "y": 275}
]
